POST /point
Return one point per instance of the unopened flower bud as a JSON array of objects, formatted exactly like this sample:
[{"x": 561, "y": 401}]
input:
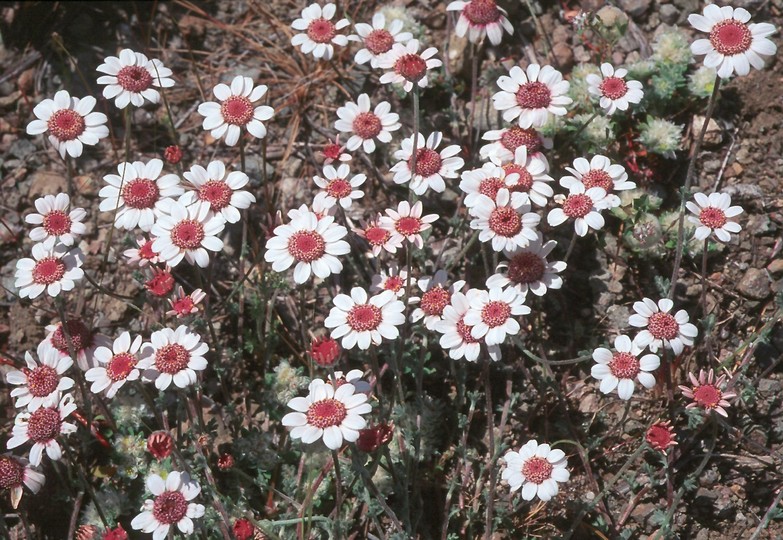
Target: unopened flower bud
[{"x": 160, "y": 444}]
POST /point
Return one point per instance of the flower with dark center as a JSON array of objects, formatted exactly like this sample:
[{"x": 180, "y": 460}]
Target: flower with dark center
[
  {"x": 70, "y": 123},
  {"x": 532, "y": 96},
  {"x": 172, "y": 505},
  {"x": 537, "y": 469},
  {"x": 117, "y": 364},
  {"x": 378, "y": 38},
  {"x": 42, "y": 427},
  {"x": 320, "y": 34},
  {"x": 711, "y": 215},
  {"x": 131, "y": 78},
  {"x": 173, "y": 356},
  {"x": 236, "y": 110},
  {"x": 406, "y": 66},
  {"x": 612, "y": 90},
  {"x": 359, "y": 319},
  {"x": 660, "y": 328},
  {"x": 479, "y": 18},
  {"x": 708, "y": 392}
]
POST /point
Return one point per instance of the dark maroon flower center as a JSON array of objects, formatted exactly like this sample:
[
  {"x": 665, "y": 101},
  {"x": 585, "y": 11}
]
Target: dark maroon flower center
[
  {"x": 216, "y": 193},
  {"x": 326, "y": 413},
  {"x": 613, "y": 87},
  {"x": 525, "y": 180},
  {"x": 11, "y": 472},
  {"x": 120, "y": 366},
  {"x": 624, "y": 365},
  {"x": 730, "y": 37},
  {"x": 514, "y": 137},
  {"x": 48, "y": 270},
  {"x": 411, "y": 66},
  {"x": 134, "y": 78},
  {"x": 408, "y": 225},
  {"x": 428, "y": 162},
  {"x": 367, "y": 125},
  {"x": 577, "y": 205},
  {"x": 435, "y": 300},
  {"x": 495, "y": 313},
  {"x": 505, "y": 221},
  {"x": 141, "y": 193},
  {"x": 598, "y": 178},
  {"x": 306, "y": 246},
  {"x": 379, "y": 42},
  {"x": 42, "y": 381},
  {"x": 81, "y": 336},
  {"x": 321, "y": 30},
  {"x": 364, "y": 317},
  {"x": 44, "y": 424},
  {"x": 707, "y": 396},
  {"x": 339, "y": 188},
  {"x": 237, "y": 110},
  {"x": 187, "y": 234},
  {"x": 481, "y": 12},
  {"x": 712, "y": 217},
  {"x": 170, "y": 507},
  {"x": 66, "y": 124},
  {"x": 56, "y": 223},
  {"x": 663, "y": 326},
  {"x": 534, "y": 95},
  {"x": 525, "y": 267},
  {"x": 171, "y": 358},
  {"x": 537, "y": 470}
]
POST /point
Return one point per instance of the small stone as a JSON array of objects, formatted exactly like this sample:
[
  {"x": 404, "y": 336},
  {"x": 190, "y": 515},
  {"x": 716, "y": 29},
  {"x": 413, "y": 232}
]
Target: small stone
[
  {"x": 47, "y": 183},
  {"x": 755, "y": 284},
  {"x": 669, "y": 14},
  {"x": 564, "y": 55},
  {"x": 769, "y": 386},
  {"x": 714, "y": 135},
  {"x": 775, "y": 267}
]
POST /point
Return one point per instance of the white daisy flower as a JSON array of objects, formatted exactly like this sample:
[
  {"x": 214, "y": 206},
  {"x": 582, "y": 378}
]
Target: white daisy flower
[
  {"x": 379, "y": 237},
  {"x": 117, "y": 365},
  {"x": 507, "y": 221},
  {"x": 407, "y": 223},
  {"x": 598, "y": 172},
  {"x": 236, "y": 110},
  {"x": 491, "y": 314},
  {"x": 139, "y": 194},
  {"x": 130, "y": 78},
  {"x": 528, "y": 270},
  {"x": 487, "y": 180},
  {"x": 619, "y": 369},
  {"x": 532, "y": 178},
  {"x": 55, "y": 222},
  {"x": 613, "y": 91},
  {"x": 313, "y": 244},
  {"x": 584, "y": 207},
  {"x": 661, "y": 328},
  {"x": 43, "y": 427},
  {"x": 53, "y": 269},
  {"x": 337, "y": 188},
  {"x": 431, "y": 166},
  {"x": 733, "y": 45},
  {"x": 171, "y": 506},
  {"x": 537, "y": 469},
  {"x": 505, "y": 142},
  {"x": 435, "y": 297},
  {"x": 407, "y": 66},
  {"x": 457, "y": 336},
  {"x": 187, "y": 232},
  {"x": 359, "y": 320},
  {"x": 334, "y": 415},
  {"x": 41, "y": 383},
  {"x": 174, "y": 355},
  {"x": 711, "y": 216},
  {"x": 142, "y": 255},
  {"x": 366, "y": 126},
  {"x": 394, "y": 280},
  {"x": 321, "y": 34},
  {"x": 70, "y": 123},
  {"x": 378, "y": 39},
  {"x": 78, "y": 337},
  {"x": 479, "y": 18},
  {"x": 220, "y": 190},
  {"x": 532, "y": 96},
  {"x": 16, "y": 472}
]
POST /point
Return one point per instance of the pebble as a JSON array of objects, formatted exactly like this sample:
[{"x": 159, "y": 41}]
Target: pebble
[
  {"x": 775, "y": 267},
  {"x": 755, "y": 284},
  {"x": 714, "y": 135},
  {"x": 669, "y": 14}
]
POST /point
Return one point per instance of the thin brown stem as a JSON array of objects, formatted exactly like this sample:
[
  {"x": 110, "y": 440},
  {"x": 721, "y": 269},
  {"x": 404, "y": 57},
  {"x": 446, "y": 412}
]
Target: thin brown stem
[{"x": 491, "y": 436}]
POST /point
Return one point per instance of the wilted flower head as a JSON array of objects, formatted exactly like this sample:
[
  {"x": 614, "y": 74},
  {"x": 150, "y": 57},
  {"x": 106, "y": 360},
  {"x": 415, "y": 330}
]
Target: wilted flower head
[
  {"x": 660, "y": 435},
  {"x": 160, "y": 444},
  {"x": 161, "y": 283},
  {"x": 183, "y": 304},
  {"x": 373, "y": 437},
  {"x": 324, "y": 351},
  {"x": 707, "y": 392}
]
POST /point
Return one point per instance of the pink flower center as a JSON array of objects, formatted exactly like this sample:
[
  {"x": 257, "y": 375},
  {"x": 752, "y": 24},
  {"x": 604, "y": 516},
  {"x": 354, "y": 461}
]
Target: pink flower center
[
  {"x": 514, "y": 137},
  {"x": 408, "y": 225},
  {"x": 505, "y": 221},
  {"x": 42, "y": 381},
  {"x": 707, "y": 396},
  {"x": 712, "y": 217},
  {"x": 495, "y": 313},
  {"x": 411, "y": 66},
  {"x": 525, "y": 181},
  {"x": 120, "y": 366},
  {"x": 490, "y": 187},
  {"x": 613, "y": 87},
  {"x": 48, "y": 270},
  {"x": 534, "y": 95},
  {"x": 187, "y": 234},
  {"x": 237, "y": 110},
  {"x": 428, "y": 162},
  {"x": 577, "y": 205},
  {"x": 537, "y": 470},
  {"x": 394, "y": 283},
  {"x": 663, "y": 326},
  {"x": 598, "y": 178},
  {"x": 171, "y": 358},
  {"x": 81, "y": 337},
  {"x": 141, "y": 193},
  {"x": 339, "y": 188},
  {"x": 377, "y": 236},
  {"x": 170, "y": 507},
  {"x": 730, "y": 37},
  {"x": 216, "y": 193},
  {"x": 379, "y": 42},
  {"x": 525, "y": 267},
  {"x": 364, "y": 317},
  {"x": 57, "y": 223},
  {"x": 321, "y": 30},
  {"x": 624, "y": 365},
  {"x": 11, "y": 472},
  {"x": 306, "y": 246},
  {"x": 367, "y": 125},
  {"x": 44, "y": 424},
  {"x": 464, "y": 331},
  {"x": 481, "y": 12},
  {"x": 435, "y": 300},
  {"x": 66, "y": 124},
  {"x": 326, "y": 413},
  {"x": 134, "y": 78},
  {"x": 184, "y": 306}
]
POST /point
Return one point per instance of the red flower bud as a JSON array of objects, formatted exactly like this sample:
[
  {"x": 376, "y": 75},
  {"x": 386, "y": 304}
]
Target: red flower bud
[
  {"x": 243, "y": 529},
  {"x": 325, "y": 351},
  {"x": 374, "y": 437},
  {"x": 225, "y": 462},
  {"x": 172, "y": 154},
  {"x": 117, "y": 533},
  {"x": 161, "y": 284},
  {"x": 661, "y": 436},
  {"x": 160, "y": 445}
]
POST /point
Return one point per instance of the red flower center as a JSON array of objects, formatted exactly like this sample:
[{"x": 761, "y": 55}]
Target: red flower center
[
  {"x": 712, "y": 217},
  {"x": 216, "y": 193},
  {"x": 525, "y": 181},
  {"x": 44, "y": 424},
  {"x": 577, "y": 205},
  {"x": 237, "y": 110},
  {"x": 364, "y": 317},
  {"x": 145, "y": 251},
  {"x": 613, "y": 87},
  {"x": 526, "y": 267},
  {"x": 534, "y": 95},
  {"x": 306, "y": 246},
  {"x": 187, "y": 234},
  {"x": 243, "y": 529},
  {"x": 505, "y": 221},
  {"x": 48, "y": 270},
  {"x": 325, "y": 351},
  {"x": 537, "y": 469},
  {"x": 183, "y": 306},
  {"x": 707, "y": 396},
  {"x": 332, "y": 151},
  {"x": 170, "y": 507},
  {"x": 134, "y": 78},
  {"x": 161, "y": 284},
  {"x": 339, "y": 188},
  {"x": 326, "y": 413},
  {"x": 81, "y": 337},
  {"x": 56, "y": 223},
  {"x": 428, "y": 162},
  {"x": 730, "y": 37},
  {"x": 598, "y": 178},
  {"x": 377, "y": 236},
  {"x": 379, "y": 42},
  {"x": 141, "y": 193},
  {"x": 11, "y": 472},
  {"x": 120, "y": 366},
  {"x": 481, "y": 12},
  {"x": 660, "y": 436},
  {"x": 367, "y": 125},
  {"x": 321, "y": 30},
  {"x": 408, "y": 225},
  {"x": 495, "y": 313},
  {"x": 663, "y": 326},
  {"x": 394, "y": 283},
  {"x": 490, "y": 187},
  {"x": 411, "y": 66},
  {"x": 514, "y": 137},
  {"x": 66, "y": 124},
  {"x": 624, "y": 365},
  {"x": 42, "y": 381},
  {"x": 435, "y": 300},
  {"x": 171, "y": 358},
  {"x": 464, "y": 331}
]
